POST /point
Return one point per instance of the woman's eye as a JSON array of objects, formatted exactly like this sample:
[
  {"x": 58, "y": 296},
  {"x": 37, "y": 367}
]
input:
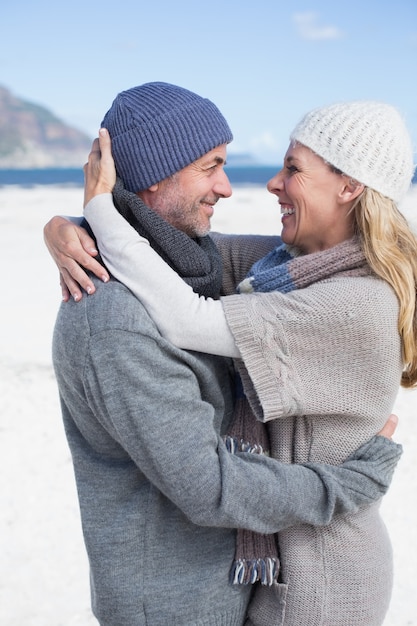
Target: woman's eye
[{"x": 292, "y": 169}]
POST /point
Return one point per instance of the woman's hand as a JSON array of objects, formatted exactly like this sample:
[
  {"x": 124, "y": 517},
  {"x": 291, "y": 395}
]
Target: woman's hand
[
  {"x": 99, "y": 171},
  {"x": 390, "y": 427},
  {"x": 73, "y": 249}
]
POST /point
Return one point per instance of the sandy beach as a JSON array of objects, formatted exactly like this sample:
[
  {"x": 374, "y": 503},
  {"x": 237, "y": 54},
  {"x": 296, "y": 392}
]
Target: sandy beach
[{"x": 43, "y": 568}]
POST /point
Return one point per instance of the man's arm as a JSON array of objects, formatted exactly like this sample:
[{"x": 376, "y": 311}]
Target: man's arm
[{"x": 169, "y": 434}]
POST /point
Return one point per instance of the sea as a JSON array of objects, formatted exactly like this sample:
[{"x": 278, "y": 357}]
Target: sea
[
  {"x": 252, "y": 175},
  {"x": 74, "y": 177}
]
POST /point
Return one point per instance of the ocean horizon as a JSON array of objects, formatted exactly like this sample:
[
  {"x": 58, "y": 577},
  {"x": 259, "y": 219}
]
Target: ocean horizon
[{"x": 74, "y": 177}]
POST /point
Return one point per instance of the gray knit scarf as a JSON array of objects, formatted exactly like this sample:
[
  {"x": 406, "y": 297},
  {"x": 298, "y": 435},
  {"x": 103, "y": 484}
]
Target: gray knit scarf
[
  {"x": 283, "y": 269},
  {"x": 197, "y": 260}
]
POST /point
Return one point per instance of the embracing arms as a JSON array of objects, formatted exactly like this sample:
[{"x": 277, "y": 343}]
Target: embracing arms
[
  {"x": 169, "y": 430},
  {"x": 363, "y": 478}
]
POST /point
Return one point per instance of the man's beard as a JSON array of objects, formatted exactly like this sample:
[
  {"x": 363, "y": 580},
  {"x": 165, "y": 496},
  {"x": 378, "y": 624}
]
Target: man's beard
[{"x": 184, "y": 215}]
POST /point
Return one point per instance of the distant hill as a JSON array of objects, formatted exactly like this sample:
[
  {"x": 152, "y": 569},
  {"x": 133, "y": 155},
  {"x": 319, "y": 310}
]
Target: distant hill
[{"x": 32, "y": 137}]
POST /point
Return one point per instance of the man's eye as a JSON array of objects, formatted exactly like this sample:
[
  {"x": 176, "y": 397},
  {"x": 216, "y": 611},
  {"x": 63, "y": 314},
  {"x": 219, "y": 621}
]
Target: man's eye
[{"x": 291, "y": 169}]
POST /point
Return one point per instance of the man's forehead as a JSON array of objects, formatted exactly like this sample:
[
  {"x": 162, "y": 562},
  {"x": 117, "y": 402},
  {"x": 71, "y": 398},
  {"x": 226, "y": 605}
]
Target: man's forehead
[{"x": 217, "y": 155}]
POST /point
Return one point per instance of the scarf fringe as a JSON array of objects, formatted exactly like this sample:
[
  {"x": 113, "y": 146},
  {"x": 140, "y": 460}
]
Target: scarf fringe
[
  {"x": 248, "y": 572},
  {"x": 235, "y": 445}
]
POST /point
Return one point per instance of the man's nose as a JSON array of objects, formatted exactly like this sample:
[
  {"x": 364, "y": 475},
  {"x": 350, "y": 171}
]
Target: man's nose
[{"x": 223, "y": 187}]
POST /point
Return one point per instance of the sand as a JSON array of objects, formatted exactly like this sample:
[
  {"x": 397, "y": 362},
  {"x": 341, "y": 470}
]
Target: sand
[{"x": 43, "y": 566}]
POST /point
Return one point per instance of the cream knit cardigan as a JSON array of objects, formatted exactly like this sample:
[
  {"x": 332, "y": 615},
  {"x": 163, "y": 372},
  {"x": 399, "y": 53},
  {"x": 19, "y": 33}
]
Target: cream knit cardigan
[{"x": 322, "y": 366}]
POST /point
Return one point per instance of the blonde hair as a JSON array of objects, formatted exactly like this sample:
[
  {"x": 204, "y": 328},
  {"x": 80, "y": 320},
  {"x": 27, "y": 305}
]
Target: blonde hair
[{"x": 390, "y": 248}]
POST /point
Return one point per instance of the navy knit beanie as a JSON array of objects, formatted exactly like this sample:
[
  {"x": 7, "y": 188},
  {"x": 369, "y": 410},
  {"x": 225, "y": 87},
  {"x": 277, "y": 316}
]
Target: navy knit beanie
[{"x": 158, "y": 129}]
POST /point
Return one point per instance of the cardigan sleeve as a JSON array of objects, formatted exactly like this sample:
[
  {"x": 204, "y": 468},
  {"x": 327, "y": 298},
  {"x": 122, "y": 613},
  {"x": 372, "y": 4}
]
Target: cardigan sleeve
[{"x": 332, "y": 348}]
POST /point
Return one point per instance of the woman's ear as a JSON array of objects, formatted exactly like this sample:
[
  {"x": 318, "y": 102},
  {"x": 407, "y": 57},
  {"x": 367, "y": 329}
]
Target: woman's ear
[{"x": 350, "y": 190}]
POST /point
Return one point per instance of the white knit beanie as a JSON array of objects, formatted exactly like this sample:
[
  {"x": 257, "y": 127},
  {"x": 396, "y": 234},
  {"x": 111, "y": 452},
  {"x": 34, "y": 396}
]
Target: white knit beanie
[{"x": 368, "y": 141}]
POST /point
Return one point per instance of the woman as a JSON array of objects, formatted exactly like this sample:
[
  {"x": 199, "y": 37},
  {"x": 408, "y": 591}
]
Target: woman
[{"x": 324, "y": 335}]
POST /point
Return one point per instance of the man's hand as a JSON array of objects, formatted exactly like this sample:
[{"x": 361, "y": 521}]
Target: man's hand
[
  {"x": 71, "y": 247},
  {"x": 390, "y": 427},
  {"x": 99, "y": 171}
]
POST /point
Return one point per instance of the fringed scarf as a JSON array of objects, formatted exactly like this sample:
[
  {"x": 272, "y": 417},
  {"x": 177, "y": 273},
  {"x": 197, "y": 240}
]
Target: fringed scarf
[
  {"x": 284, "y": 269},
  {"x": 256, "y": 555},
  {"x": 197, "y": 260}
]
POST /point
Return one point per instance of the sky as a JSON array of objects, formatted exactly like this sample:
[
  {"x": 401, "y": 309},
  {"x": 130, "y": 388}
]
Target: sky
[{"x": 264, "y": 63}]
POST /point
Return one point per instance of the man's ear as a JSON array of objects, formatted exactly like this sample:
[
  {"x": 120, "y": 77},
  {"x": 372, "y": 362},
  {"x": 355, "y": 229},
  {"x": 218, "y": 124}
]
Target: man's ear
[
  {"x": 146, "y": 194},
  {"x": 350, "y": 190}
]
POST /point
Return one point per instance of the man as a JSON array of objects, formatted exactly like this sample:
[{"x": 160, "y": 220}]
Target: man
[{"x": 160, "y": 495}]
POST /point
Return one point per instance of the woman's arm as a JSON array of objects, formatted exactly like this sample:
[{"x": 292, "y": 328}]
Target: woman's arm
[
  {"x": 70, "y": 245},
  {"x": 186, "y": 319},
  {"x": 73, "y": 251}
]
